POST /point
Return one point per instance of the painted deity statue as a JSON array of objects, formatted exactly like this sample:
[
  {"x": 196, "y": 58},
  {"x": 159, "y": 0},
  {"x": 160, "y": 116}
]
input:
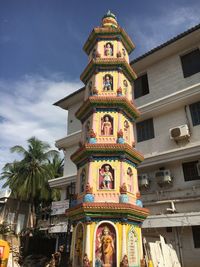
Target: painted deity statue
[
  {"x": 125, "y": 86},
  {"x": 106, "y": 126},
  {"x": 106, "y": 246},
  {"x": 108, "y": 50},
  {"x": 107, "y": 86},
  {"x": 129, "y": 179},
  {"x": 126, "y": 130},
  {"x": 107, "y": 177}
]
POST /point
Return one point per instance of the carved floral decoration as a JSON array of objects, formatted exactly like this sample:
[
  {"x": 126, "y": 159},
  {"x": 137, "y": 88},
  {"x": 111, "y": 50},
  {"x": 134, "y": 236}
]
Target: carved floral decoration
[
  {"x": 120, "y": 134},
  {"x": 119, "y": 54},
  {"x": 123, "y": 189},
  {"x": 88, "y": 189},
  {"x": 119, "y": 91},
  {"x": 92, "y": 134}
]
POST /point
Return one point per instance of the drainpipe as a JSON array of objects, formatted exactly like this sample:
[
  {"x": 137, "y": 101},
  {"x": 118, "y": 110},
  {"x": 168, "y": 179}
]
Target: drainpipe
[
  {"x": 152, "y": 203},
  {"x": 187, "y": 117}
]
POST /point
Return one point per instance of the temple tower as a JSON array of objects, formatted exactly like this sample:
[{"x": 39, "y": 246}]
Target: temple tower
[{"x": 107, "y": 212}]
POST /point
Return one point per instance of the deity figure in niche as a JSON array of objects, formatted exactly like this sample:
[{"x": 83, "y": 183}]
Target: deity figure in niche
[
  {"x": 123, "y": 52},
  {"x": 108, "y": 83},
  {"x": 106, "y": 177},
  {"x": 108, "y": 49},
  {"x": 129, "y": 179},
  {"x": 107, "y": 125},
  {"x": 105, "y": 246},
  {"x": 125, "y": 86},
  {"x": 79, "y": 245},
  {"x": 126, "y": 130},
  {"x": 82, "y": 180}
]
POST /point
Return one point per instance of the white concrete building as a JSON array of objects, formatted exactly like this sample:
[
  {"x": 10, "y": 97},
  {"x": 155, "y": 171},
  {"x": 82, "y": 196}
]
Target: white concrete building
[{"x": 167, "y": 93}]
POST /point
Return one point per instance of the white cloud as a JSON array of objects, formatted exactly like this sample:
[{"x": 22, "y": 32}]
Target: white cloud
[
  {"x": 26, "y": 109},
  {"x": 155, "y": 30}
]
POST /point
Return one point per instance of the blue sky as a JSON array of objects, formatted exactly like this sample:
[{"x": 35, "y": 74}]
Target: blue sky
[{"x": 41, "y": 56}]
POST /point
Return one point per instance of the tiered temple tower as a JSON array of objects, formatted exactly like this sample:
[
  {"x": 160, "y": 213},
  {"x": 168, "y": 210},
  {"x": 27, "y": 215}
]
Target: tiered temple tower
[{"x": 106, "y": 212}]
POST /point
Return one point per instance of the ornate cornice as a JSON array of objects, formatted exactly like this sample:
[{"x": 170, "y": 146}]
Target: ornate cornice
[
  {"x": 120, "y": 211},
  {"x": 108, "y": 33},
  {"x": 88, "y": 150},
  {"x": 103, "y": 64},
  {"x": 113, "y": 102}
]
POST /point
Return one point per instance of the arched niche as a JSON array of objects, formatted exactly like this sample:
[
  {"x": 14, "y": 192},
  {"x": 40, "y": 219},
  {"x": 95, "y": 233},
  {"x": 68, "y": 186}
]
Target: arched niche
[
  {"x": 106, "y": 177},
  {"x": 107, "y": 125},
  {"x": 106, "y": 245},
  {"x": 78, "y": 246},
  {"x": 133, "y": 248},
  {"x": 129, "y": 179},
  {"x": 126, "y": 131},
  {"x": 108, "y": 49},
  {"x": 123, "y": 52},
  {"x": 125, "y": 87},
  {"x": 108, "y": 82}
]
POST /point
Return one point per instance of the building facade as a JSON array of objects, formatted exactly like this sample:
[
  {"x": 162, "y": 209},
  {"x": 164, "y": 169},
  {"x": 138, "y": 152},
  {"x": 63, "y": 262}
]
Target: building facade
[
  {"x": 167, "y": 93},
  {"x": 14, "y": 213}
]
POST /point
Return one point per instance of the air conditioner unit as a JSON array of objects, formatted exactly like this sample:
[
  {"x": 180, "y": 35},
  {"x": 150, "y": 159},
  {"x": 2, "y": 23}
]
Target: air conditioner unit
[
  {"x": 179, "y": 132},
  {"x": 143, "y": 181},
  {"x": 163, "y": 177}
]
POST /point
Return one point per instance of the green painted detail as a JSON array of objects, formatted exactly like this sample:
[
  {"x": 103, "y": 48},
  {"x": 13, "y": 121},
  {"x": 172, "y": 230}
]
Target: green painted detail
[
  {"x": 93, "y": 152},
  {"x": 87, "y": 108},
  {"x": 93, "y": 39},
  {"x": 107, "y": 65},
  {"x": 104, "y": 215}
]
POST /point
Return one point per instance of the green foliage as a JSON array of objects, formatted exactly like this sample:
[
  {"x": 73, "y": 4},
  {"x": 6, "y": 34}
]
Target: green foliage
[{"x": 28, "y": 178}]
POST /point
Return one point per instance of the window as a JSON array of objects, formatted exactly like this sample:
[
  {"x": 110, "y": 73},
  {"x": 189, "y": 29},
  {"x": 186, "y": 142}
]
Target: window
[
  {"x": 196, "y": 236},
  {"x": 190, "y": 171},
  {"x": 145, "y": 130},
  {"x": 195, "y": 113},
  {"x": 141, "y": 86},
  {"x": 169, "y": 229},
  {"x": 191, "y": 63},
  {"x": 70, "y": 190}
]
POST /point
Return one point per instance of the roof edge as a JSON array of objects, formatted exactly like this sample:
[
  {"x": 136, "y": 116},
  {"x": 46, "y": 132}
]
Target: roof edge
[
  {"x": 69, "y": 96},
  {"x": 170, "y": 41}
]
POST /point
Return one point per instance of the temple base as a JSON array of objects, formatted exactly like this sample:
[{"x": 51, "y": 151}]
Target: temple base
[{"x": 106, "y": 235}]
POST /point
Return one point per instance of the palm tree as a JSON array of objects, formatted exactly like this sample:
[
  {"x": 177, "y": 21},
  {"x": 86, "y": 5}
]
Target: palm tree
[
  {"x": 28, "y": 178},
  {"x": 57, "y": 165},
  {"x": 10, "y": 175}
]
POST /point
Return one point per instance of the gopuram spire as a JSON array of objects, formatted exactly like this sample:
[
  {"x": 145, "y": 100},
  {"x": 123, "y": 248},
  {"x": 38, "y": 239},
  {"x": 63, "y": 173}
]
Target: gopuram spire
[{"x": 107, "y": 212}]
